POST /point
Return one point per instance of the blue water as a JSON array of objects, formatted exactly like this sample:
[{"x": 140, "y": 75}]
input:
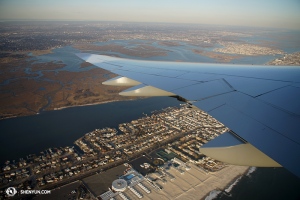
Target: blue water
[{"x": 66, "y": 55}]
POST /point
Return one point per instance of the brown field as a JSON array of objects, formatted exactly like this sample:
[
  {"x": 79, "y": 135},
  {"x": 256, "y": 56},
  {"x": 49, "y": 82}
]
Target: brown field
[
  {"x": 41, "y": 52},
  {"x": 169, "y": 43},
  {"x": 47, "y": 66},
  {"x": 26, "y": 96},
  {"x": 9, "y": 75},
  {"x": 197, "y": 51},
  {"x": 220, "y": 57}
]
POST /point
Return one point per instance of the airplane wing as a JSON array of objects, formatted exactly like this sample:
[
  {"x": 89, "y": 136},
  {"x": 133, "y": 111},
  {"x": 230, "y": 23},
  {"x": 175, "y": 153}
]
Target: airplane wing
[{"x": 260, "y": 104}]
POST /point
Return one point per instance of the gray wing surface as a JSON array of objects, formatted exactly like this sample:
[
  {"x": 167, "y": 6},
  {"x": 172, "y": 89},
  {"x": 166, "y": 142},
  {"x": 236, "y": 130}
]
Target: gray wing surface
[{"x": 261, "y": 104}]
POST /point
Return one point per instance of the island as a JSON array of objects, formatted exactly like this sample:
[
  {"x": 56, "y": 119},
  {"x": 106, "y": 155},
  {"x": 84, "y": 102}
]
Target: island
[
  {"x": 218, "y": 56},
  {"x": 169, "y": 43},
  {"x": 144, "y": 51}
]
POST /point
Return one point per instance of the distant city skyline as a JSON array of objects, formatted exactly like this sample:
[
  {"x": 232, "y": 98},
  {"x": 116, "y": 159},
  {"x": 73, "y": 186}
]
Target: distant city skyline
[{"x": 265, "y": 13}]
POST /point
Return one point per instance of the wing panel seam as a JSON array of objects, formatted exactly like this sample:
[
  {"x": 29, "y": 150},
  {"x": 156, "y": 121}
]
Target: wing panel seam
[{"x": 260, "y": 123}]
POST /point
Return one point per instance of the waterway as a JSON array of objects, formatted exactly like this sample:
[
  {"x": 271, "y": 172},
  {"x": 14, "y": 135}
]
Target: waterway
[{"x": 31, "y": 134}]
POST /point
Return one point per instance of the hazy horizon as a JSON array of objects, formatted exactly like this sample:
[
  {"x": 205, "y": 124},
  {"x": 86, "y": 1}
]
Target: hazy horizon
[{"x": 266, "y": 13}]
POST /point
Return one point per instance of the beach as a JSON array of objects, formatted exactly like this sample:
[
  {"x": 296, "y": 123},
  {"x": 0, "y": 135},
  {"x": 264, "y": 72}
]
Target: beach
[{"x": 197, "y": 183}]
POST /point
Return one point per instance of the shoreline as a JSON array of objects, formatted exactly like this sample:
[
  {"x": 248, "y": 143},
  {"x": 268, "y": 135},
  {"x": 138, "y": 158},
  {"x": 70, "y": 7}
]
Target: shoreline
[
  {"x": 217, "y": 192},
  {"x": 90, "y": 104},
  {"x": 60, "y": 108}
]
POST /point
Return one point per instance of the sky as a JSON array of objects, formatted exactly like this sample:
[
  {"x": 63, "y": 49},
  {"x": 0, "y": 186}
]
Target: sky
[{"x": 257, "y": 13}]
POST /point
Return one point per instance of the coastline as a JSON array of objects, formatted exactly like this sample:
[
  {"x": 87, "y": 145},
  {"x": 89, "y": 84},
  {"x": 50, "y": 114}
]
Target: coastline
[
  {"x": 228, "y": 181},
  {"x": 90, "y": 104},
  {"x": 60, "y": 108}
]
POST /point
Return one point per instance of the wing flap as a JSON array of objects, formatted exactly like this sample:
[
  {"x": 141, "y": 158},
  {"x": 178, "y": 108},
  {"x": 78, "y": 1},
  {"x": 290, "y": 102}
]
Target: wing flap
[
  {"x": 277, "y": 146},
  {"x": 121, "y": 81},
  {"x": 145, "y": 90},
  {"x": 164, "y": 83}
]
